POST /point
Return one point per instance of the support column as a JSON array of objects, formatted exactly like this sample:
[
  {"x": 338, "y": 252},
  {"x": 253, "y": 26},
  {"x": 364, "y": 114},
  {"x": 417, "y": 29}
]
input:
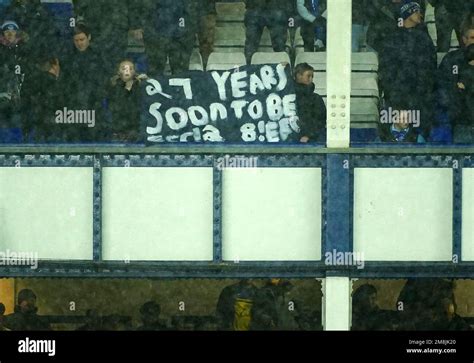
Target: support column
[
  {"x": 339, "y": 54},
  {"x": 337, "y": 303}
]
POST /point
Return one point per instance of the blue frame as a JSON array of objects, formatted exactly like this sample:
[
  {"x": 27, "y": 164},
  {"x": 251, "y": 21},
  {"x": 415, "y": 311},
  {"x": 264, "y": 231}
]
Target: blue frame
[{"x": 337, "y": 209}]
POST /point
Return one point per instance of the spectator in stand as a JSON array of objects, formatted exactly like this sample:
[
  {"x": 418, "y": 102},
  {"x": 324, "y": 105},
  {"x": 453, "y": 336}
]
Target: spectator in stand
[
  {"x": 400, "y": 126},
  {"x": 270, "y": 308},
  {"x": 150, "y": 314},
  {"x": 408, "y": 67},
  {"x": 35, "y": 21},
  {"x": 383, "y": 16},
  {"x": 2, "y": 318},
  {"x": 313, "y": 29},
  {"x": 360, "y": 25},
  {"x": 169, "y": 29},
  {"x": 449, "y": 97},
  {"x": 310, "y": 106},
  {"x": 273, "y": 14},
  {"x": 85, "y": 78},
  {"x": 429, "y": 304},
  {"x": 92, "y": 321},
  {"x": 464, "y": 125},
  {"x": 44, "y": 93},
  {"x": 13, "y": 60},
  {"x": 449, "y": 15},
  {"x": 234, "y": 307},
  {"x": 123, "y": 95},
  {"x": 207, "y": 29},
  {"x": 25, "y": 316},
  {"x": 110, "y": 22}
]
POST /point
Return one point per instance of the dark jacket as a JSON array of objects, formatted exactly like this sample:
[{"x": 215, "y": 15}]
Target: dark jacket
[
  {"x": 466, "y": 96},
  {"x": 12, "y": 56},
  {"x": 33, "y": 19},
  {"x": 19, "y": 321},
  {"x": 311, "y": 112},
  {"x": 42, "y": 95},
  {"x": 407, "y": 70},
  {"x": 448, "y": 95},
  {"x": 270, "y": 310},
  {"x": 124, "y": 107},
  {"x": 85, "y": 78}
]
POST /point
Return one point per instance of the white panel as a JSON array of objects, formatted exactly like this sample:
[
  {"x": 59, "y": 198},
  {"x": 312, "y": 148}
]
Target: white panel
[
  {"x": 47, "y": 211},
  {"x": 337, "y": 303},
  {"x": 157, "y": 214},
  {"x": 271, "y": 214},
  {"x": 403, "y": 214},
  {"x": 468, "y": 215}
]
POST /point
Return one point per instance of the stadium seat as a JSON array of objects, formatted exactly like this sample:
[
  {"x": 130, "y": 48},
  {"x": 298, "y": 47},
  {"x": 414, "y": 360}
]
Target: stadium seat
[
  {"x": 61, "y": 11},
  {"x": 196, "y": 62},
  {"x": 270, "y": 58},
  {"x": 364, "y": 62},
  {"x": 230, "y": 39},
  {"x": 317, "y": 60},
  {"x": 225, "y": 61},
  {"x": 441, "y": 57}
]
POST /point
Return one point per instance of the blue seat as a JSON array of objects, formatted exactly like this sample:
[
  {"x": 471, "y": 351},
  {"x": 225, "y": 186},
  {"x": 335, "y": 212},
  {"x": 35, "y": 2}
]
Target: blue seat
[
  {"x": 11, "y": 135},
  {"x": 363, "y": 135},
  {"x": 442, "y": 133}
]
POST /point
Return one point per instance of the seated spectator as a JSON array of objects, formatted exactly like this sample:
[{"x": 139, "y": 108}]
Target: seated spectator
[
  {"x": 366, "y": 314},
  {"x": 400, "y": 127},
  {"x": 408, "y": 67},
  {"x": 12, "y": 66},
  {"x": 234, "y": 307},
  {"x": 169, "y": 30},
  {"x": 449, "y": 97},
  {"x": 123, "y": 96},
  {"x": 93, "y": 322},
  {"x": 450, "y": 319},
  {"x": 25, "y": 316},
  {"x": 150, "y": 315},
  {"x": 270, "y": 308},
  {"x": 310, "y": 106},
  {"x": 424, "y": 304},
  {"x": 274, "y": 15},
  {"x": 313, "y": 29},
  {"x": 464, "y": 125},
  {"x": 2, "y": 318}
]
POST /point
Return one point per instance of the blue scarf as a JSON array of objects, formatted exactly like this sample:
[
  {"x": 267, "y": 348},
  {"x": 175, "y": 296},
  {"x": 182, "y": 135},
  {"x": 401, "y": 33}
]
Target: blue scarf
[{"x": 399, "y": 135}]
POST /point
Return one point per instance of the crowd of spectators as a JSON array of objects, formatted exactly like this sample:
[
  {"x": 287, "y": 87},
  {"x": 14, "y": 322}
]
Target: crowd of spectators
[
  {"x": 41, "y": 72},
  {"x": 422, "y": 304}
]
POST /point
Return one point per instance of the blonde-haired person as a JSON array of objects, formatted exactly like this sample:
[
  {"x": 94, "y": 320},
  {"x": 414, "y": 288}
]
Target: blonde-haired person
[{"x": 123, "y": 96}]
